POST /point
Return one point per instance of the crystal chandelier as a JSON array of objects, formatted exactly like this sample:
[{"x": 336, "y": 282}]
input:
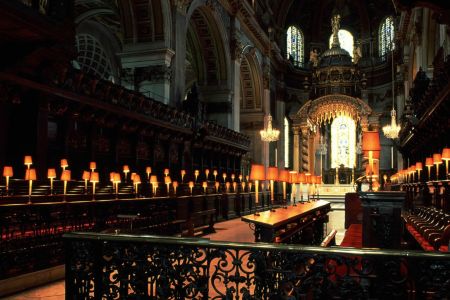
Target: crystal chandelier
[
  {"x": 392, "y": 130},
  {"x": 268, "y": 134}
]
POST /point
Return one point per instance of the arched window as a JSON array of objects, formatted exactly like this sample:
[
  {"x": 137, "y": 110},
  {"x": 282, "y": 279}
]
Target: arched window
[
  {"x": 386, "y": 36},
  {"x": 295, "y": 46},
  {"x": 286, "y": 143},
  {"x": 343, "y": 142},
  {"x": 345, "y": 39}
]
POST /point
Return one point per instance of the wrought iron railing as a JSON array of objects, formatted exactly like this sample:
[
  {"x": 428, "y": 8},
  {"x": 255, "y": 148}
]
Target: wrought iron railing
[{"x": 141, "y": 267}]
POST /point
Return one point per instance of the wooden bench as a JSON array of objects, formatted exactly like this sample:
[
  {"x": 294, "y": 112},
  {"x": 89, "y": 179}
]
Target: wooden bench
[
  {"x": 200, "y": 222},
  {"x": 430, "y": 228}
]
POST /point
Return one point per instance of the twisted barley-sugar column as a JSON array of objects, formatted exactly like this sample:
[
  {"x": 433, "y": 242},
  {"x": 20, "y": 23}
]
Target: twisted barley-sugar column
[
  {"x": 297, "y": 149},
  {"x": 305, "y": 152}
]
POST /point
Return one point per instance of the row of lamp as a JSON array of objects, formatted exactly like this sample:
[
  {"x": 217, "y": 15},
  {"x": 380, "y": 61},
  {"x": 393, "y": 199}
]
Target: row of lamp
[{"x": 408, "y": 174}]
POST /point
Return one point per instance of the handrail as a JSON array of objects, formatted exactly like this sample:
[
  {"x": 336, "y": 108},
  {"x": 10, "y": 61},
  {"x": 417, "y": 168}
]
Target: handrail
[{"x": 255, "y": 246}]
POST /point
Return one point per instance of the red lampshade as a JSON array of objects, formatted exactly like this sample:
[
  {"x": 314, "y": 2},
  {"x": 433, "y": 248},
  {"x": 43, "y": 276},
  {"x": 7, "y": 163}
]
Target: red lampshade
[
  {"x": 437, "y": 158},
  {"x": 419, "y": 166},
  {"x": 257, "y": 172},
  {"x": 371, "y": 141},
  {"x": 126, "y": 169},
  {"x": 153, "y": 179},
  {"x": 283, "y": 175},
  {"x": 86, "y": 175},
  {"x": 148, "y": 170},
  {"x": 167, "y": 180},
  {"x": 312, "y": 179},
  {"x": 92, "y": 165},
  {"x": 30, "y": 174},
  {"x": 166, "y": 172},
  {"x": 429, "y": 161},
  {"x": 65, "y": 175},
  {"x": 137, "y": 179},
  {"x": 94, "y": 177},
  {"x": 51, "y": 173},
  {"x": 8, "y": 171},
  {"x": 301, "y": 178},
  {"x": 272, "y": 173},
  {"x": 64, "y": 163},
  {"x": 27, "y": 160},
  {"x": 446, "y": 154},
  {"x": 117, "y": 177}
]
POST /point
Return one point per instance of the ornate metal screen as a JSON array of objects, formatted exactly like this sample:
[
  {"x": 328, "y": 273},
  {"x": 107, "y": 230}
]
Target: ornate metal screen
[{"x": 149, "y": 267}]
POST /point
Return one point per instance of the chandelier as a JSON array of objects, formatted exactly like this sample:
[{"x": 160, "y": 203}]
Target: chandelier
[
  {"x": 269, "y": 134},
  {"x": 392, "y": 130}
]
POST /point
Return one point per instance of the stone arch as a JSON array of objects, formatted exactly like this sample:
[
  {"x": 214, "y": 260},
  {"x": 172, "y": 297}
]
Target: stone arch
[
  {"x": 205, "y": 34},
  {"x": 320, "y": 111},
  {"x": 145, "y": 21},
  {"x": 251, "y": 83},
  {"x": 325, "y": 108}
]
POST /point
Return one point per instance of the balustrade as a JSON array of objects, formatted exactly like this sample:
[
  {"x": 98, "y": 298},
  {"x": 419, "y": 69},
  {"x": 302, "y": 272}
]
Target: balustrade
[{"x": 118, "y": 266}]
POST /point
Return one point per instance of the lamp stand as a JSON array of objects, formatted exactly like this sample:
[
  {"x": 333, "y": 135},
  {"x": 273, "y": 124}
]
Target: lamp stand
[{"x": 256, "y": 196}]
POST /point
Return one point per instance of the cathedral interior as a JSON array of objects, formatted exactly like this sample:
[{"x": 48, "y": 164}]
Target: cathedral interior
[{"x": 225, "y": 149}]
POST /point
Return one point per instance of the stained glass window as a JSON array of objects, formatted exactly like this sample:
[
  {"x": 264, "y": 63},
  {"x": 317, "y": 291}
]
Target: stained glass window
[
  {"x": 386, "y": 36},
  {"x": 295, "y": 46},
  {"x": 343, "y": 142},
  {"x": 345, "y": 39}
]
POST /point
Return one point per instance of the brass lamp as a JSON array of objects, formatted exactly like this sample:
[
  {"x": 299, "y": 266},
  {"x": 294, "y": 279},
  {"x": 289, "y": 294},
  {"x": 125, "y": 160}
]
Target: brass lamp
[
  {"x": 371, "y": 143},
  {"x": 204, "y": 185},
  {"x": 154, "y": 182},
  {"x": 437, "y": 160},
  {"x": 92, "y": 166},
  {"x": 28, "y": 161},
  {"x": 7, "y": 172},
  {"x": 148, "y": 170},
  {"x": 272, "y": 175},
  {"x": 64, "y": 164},
  {"x": 446, "y": 156},
  {"x": 429, "y": 164},
  {"x": 94, "y": 179},
  {"x": 257, "y": 173},
  {"x": 283, "y": 176},
  {"x": 126, "y": 170},
  {"x": 136, "y": 182},
  {"x": 86, "y": 176},
  {"x": 30, "y": 175},
  {"x": 293, "y": 181},
  {"x": 196, "y": 173},
  {"x": 175, "y": 186},
  {"x": 215, "y": 175},
  {"x": 301, "y": 178},
  {"x": 65, "y": 176},
  {"x": 227, "y": 187},
  {"x": 207, "y": 174},
  {"x": 183, "y": 173},
  {"x": 419, "y": 167},
  {"x": 224, "y": 176},
  {"x": 217, "y": 184},
  {"x": 51, "y": 174},
  {"x": 166, "y": 172},
  {"x": 191, "y": 186},
  {"x": 168, "y": 181},
  {"x": 117, "y": 180}
]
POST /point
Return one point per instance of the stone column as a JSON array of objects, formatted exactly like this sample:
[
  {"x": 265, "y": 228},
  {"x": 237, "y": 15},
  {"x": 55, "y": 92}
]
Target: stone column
[
  {"x": 296, "y": 149},
  {"x": 305, "y": 149},
  {"x": 236, "y": 56}
]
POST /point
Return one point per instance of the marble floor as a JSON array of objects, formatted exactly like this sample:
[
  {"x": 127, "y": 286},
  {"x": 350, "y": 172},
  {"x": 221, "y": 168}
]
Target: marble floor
[{"x": 233, "y": 230}]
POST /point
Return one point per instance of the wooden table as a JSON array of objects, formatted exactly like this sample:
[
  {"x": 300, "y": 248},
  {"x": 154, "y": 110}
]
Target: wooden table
[{"x": 283, "y": 224}]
